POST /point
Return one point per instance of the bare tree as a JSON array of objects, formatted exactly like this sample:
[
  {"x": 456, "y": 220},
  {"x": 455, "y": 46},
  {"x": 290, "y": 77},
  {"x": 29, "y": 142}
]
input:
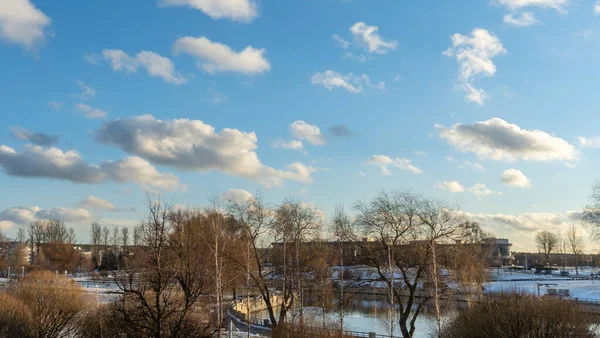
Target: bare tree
[
  {"x": 125, "y": 237},
  {"x": 575, "y": 244},
  {"x": 546, "y": 242},
  {"x": 343, "y": 232},
  {"x": 136, "y": 235},
  {"x": 96, "y": 235},
  {"x": 4, "y": 246},
  {"x": 440, "y": 223},
  {"x": 591, "y": 213},
  {"x": 407, "y": 229},
  {"x": 105, "y": 237},
  {"x": 295, "y": 222},
  {"x": 165, "y": 277},
  {"x": 257, "y": 220},
  {"x": 36, "y": 238},
  {"x": 116, "y": 238}
]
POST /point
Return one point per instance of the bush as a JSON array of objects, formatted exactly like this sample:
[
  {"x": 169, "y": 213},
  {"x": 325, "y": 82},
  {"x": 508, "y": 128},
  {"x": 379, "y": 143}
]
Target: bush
[
  {"x": 521, "y": 316},
  {"x": 15, "y": 317},
  {"x": 42, "y": 305}
]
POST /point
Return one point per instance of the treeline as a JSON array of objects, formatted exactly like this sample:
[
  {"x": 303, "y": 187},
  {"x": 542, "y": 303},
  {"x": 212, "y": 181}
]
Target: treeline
[
  {"x": 46, "y": 245},
  {"x": 193, "y": 259}
]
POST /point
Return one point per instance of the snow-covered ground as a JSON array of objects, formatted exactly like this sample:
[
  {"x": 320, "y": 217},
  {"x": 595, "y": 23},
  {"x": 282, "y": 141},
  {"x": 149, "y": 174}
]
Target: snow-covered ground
[{"x": 582, "y": 287}]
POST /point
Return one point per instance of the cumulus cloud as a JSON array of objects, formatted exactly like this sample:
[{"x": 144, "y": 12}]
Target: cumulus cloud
[
  {"x": 589, "y": 142},
  {"x": 88, "y": 92},
  {"x": 22, "y": 23},
  {"x": 52, "y": 162},
  {"x": 474, "y": 54},
  {"x": 515, "y": 178},
  {"x": 292, "y": 145},
  {"x": 19, "y": 215},
  {"x": 480, "y": 190},
  {"x": 216, "y": 57},
  {"x": 453, "y": 186},
  {"x": 559, "y": 5},
  {"x": 40, "y": 139},
  {"x": 385, "y": 162},
  {"x": 308, "y": 132},
  {"x": 138, "y": 170},
  {"x": 350, "y": 82},
  {"x": 339, "y": 41},
  {"x": 89, "y": 112},
  {"x": 520, "y": 19},
  {"x": 473, "y": 165},
  {"x": 26, "y": 214},
  {"x": 155, "y": 64},
  {"x": 496, "y": 139},
  {"x": 78, "y": 215},
  {"x": 368, "y": 37},
  {"x": 96, "y": 203},
  {"x": 597, "y": 7},
  {"x": 238, "y": 195},
  {"x": 236, "y": 10},
  {"x": 193, "y": 145}
]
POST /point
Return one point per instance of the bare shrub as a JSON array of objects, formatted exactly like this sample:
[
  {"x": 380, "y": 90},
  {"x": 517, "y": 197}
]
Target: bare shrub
[
  {"x": 519, "y": 315},
  {"x": 15, "y": 317},
  {"x": 54, "y": 303}
]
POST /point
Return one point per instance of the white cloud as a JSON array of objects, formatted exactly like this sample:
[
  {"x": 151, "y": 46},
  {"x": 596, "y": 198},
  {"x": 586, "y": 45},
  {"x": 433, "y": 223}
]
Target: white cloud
[
  {"x": 40, "y": 139},
  {"x": 22, "y": 23},
  {"x": 340, "y": 41},
  {"x": 597, "y": 7},
  {"x": 421, "y": 153},
  {"x": 36, "y": 161},
  {"x": 308, "y": 132},
  {"x": 330, "y": 79},
  {"x": 96, "y": 203},
  {"x": 236, "y": 10},
  {"x": 515, "y": 178},
  {"x": 473, "y": 165},
  {"x": 90, "y": 112},
  {"x": 589, "y": 142},
  {"x": 357, "y": 57},
  {"x": 384, "y": 162},
  {"x": 352, "y": 83},
  {"x": 155, "y": 65},
  {"x": 559, "y": 5},
  {"x": 19, "y": 215},
  {"x": 56, "y": 105},
  {"x": 26, "y": 214},
  {"x": 292, "y": 145},
  {"x": 195, "y": 146},
  {"x": 88, "y": 92},
  {"x": 450, "y": 159},
  {"x": 78, "y": 215},
  {"x": 474, "y": 55},
  {"x": 368, "y": 37},
  {"x": 136, "y": 169},
  {"x": 496, "y": 139},
  {"x": 453, "y": 186},
  {"x": 238, "y": 195},
  {"x": 480, "y": 190},
  {"x": 215, "y": 57},
  {"x": 520, "y": 19}
]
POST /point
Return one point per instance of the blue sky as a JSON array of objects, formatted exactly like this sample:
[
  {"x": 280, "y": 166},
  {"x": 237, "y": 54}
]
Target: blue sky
[{"x": 491, "y": 105}]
